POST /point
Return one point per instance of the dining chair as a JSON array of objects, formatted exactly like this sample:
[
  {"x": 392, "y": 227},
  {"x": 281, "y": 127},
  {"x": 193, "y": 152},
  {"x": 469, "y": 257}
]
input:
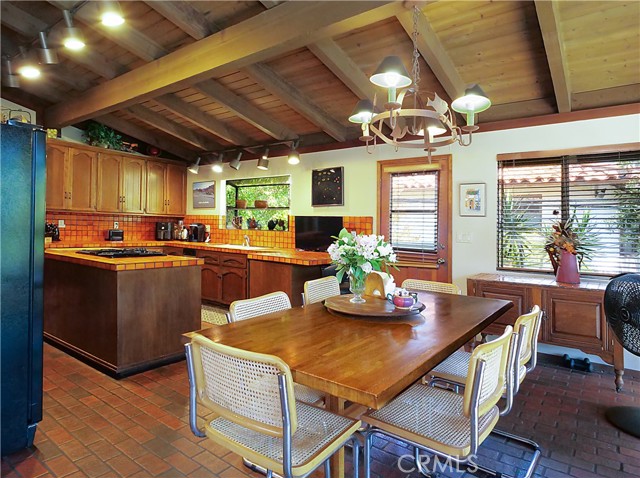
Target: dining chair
[
  {"x": 255, "y": 412},
  {"x": 454, "y": 369},
  {"x": 431, "y": 286},
  {"x": 319, "y": 289},
  {"x": 265, "y": 304},
  {"x": 447, "y": 424},
  {"x": 212, "y": 315}
]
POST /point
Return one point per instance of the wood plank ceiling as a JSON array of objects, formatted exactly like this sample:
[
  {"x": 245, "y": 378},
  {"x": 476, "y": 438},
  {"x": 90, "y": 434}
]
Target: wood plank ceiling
[{"x": 192, "y": 77}]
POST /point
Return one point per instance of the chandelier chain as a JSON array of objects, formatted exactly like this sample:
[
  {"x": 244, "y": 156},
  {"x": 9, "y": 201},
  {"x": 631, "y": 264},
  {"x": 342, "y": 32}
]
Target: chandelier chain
[{"x": 415, "y": 71}]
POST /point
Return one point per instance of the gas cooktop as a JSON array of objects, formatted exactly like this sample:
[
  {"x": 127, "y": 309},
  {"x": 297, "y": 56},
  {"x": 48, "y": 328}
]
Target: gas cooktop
[{"x": 122, "y": 252}]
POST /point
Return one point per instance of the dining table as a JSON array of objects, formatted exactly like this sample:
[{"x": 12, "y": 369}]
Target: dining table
[{"x": 358, "y": 358}]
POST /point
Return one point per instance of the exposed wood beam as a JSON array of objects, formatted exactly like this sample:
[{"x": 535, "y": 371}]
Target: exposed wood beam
[
  {"x": 29, "y": 26},
  {"x": 185, "y": 17},
  {"x": 549, "y": 21},
  {"x": 434, "y": 54},
  {"x": 202, "y": 119},
  {"x": 334, "y": 58},
  {"x": 291, "y": 96},
  {"x": 135, "y": 131},
  {"x": 125, "y": 35},
  {"x": 60, "y": 73},
  {"x": 174, "y": 129},
  {"x": 279, "y": 30},
  {"x": 517, "y": 109},
  {"x": 245, "y": 110},
  {"x": 270, "y": 3}
]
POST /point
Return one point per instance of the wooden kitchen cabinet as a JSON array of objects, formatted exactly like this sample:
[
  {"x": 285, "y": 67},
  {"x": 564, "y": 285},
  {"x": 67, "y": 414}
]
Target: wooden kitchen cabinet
[
  {"x": 223, "y": 276},
  {"x": 573, "y": 314},
  {"x": 71, "y": 178},
  {"x": 121, "y": 183},
  {"x": 165, "y": 188},
  {"x": 266, "y": 277}
]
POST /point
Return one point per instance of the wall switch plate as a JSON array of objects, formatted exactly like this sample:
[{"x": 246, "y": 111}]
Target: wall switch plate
[
  {"x": 116, "y": 225},
  {"x": 61, "y": 223}
]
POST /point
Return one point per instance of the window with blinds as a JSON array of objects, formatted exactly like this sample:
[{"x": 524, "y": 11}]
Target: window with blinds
[
  {"x": 601, "y": 192},
  {"x": 413, "y": 213}
]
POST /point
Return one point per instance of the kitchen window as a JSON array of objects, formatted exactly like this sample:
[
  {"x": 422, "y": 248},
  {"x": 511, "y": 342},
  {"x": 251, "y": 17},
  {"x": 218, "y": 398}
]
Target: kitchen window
[
  {"x": 600, "y": 191},
  {"x": 270, "y": 212}
]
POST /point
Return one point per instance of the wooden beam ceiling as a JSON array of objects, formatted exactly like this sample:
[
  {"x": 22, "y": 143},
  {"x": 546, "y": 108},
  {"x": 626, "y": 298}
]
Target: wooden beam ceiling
[
  {"x": 201, "y": 119},
  {"x": 548, "y": 18},
  {"x": 135, "y": 131},
  {"x": 174, "y": 129},
  {"x": 185, "y": 17},
  {"x": 280, "y": 29}
]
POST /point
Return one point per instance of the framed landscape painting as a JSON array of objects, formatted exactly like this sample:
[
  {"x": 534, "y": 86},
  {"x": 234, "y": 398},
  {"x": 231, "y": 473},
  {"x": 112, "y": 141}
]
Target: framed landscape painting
[
  {"x": 473, "y": 199},
  {"x": 204, "y": 194},
  {"x": 327, "y": 188}
]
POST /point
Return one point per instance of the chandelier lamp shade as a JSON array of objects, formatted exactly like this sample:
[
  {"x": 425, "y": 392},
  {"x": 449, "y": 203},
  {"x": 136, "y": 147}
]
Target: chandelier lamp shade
[{"x": 433, "y": 120}]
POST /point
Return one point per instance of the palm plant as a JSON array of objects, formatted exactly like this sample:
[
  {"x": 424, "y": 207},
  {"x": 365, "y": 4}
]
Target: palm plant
[{"x": 516, "y": 228}]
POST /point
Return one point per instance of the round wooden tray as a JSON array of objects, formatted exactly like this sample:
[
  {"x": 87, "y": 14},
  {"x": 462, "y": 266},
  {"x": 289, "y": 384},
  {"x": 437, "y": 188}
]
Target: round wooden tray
[{"x": 373, "y": 307}]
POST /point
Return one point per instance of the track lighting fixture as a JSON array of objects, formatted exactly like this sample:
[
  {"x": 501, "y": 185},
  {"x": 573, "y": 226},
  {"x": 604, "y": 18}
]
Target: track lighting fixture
[
  {"x": 27, "y": 66},
  {"x": 195, "y": 167},
  {"x": 73, "y": 38},
  {"x": 235, "y": 163},
  {"x": 9, "y": 79},
  {"x": 294, "y": 156},
  {"x": 217, "y": 164},
  {"x": 263, "y": 164},
  {"x": 111, "y": 13},
  {"x": 48, "y": 56},
  {"x": 265, "y": 154}
]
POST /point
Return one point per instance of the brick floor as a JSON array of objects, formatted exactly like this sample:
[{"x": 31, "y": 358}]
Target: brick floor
[{"x": 98, "y": 427}]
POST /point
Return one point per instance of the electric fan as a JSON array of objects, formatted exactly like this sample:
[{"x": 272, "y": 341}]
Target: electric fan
[{"x": 622, "y": 307}]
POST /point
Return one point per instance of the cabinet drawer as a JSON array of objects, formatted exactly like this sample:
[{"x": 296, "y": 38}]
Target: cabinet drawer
[
  {"x": 233, "y": 260},
  {"x": 209, "y": 257}
]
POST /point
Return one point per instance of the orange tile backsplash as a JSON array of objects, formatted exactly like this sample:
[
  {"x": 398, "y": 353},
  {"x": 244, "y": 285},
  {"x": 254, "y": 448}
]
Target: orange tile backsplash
[{"x": 92, "y": 228}]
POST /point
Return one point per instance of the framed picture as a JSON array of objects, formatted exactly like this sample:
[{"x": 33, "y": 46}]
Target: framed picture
[
  {"x": 204, "y": 194},
  {"x": 327, "y": 188},
  {"x": 473, "y": 199}
]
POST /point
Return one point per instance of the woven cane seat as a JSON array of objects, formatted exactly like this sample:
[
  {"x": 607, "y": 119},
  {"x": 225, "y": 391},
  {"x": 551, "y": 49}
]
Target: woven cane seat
[
  {"x": 307, "y": 394},
  {"x": 432, "y": 417},
  {"x": 318, "y": 435},
  {"x": 456, "y": 367},
  {"x": 212, "y": 315}
]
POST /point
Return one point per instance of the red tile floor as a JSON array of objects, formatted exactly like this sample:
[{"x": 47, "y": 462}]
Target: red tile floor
[{"x": 95, "y": 426}]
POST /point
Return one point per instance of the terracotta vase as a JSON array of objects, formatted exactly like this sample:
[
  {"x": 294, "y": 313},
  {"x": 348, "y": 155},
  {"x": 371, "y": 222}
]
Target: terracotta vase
[{"x": 568, "y": 269}]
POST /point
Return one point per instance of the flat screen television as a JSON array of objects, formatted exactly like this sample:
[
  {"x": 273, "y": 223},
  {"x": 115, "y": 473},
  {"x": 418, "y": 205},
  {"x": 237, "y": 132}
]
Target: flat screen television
[{"x": 313, "y": 233}]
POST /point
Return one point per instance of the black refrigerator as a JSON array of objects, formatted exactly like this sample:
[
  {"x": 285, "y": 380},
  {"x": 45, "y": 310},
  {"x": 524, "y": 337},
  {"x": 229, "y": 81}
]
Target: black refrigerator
[{"x": 22, "y": 216}]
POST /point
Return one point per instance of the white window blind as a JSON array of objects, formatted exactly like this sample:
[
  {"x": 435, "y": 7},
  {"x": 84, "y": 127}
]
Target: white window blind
[
  {"x": 602, "y": 194},
  {"x": 413, "y": 213}
]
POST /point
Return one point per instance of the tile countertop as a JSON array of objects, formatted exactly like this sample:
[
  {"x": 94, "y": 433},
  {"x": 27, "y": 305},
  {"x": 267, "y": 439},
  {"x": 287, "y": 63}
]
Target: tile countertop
[
  {"x": 123, "y": 263},
  {"x": 269, "y": 254}
]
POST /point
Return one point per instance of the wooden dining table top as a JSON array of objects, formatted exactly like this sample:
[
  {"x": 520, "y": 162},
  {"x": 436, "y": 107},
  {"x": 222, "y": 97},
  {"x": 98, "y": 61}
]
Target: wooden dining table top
[{"x": 366, "y": 360}]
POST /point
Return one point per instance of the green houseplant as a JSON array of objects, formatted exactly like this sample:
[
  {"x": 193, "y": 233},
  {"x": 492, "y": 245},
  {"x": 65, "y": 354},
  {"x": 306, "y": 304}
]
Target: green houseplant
[{"x": 97, "y": 134}]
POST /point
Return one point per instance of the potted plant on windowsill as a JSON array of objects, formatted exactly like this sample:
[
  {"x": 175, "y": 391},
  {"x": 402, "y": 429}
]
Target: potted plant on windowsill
[{"x": 97, "y": 134}]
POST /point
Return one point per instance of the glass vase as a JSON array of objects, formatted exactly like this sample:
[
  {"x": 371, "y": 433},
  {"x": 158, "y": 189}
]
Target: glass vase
[{"x": 356, "y": 286}]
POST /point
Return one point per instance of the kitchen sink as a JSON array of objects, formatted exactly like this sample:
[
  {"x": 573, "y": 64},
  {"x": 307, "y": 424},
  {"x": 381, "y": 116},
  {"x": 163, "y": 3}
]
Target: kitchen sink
[{"x": 241, "y": 247}]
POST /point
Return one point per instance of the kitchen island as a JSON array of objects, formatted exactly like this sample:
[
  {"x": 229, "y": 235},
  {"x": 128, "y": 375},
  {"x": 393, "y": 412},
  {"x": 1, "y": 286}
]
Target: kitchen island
[{"x": 121, "y": 315}]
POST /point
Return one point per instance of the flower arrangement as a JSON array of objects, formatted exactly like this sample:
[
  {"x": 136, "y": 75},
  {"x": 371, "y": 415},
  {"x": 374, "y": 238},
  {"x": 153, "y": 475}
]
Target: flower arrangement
[
  {"x": 562, "y": 238},
  {"x": 358, "y": 255}
]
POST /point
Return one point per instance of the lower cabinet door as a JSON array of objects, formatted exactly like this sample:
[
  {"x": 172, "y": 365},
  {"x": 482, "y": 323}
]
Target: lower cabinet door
[
  {"x": 233, "y": 285},
  {"x": 210, "y": 283}
]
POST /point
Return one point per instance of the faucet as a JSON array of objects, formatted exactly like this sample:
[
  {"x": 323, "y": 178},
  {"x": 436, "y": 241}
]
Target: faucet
[{"x": 246, "y": 242}]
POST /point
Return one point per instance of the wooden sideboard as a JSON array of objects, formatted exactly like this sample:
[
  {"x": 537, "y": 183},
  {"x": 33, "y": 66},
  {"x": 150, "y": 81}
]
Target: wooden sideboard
[{"x": 573, "y": 314}]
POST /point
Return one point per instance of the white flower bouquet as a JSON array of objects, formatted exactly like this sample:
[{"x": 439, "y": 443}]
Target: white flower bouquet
[{"x": 358, "y": 255}]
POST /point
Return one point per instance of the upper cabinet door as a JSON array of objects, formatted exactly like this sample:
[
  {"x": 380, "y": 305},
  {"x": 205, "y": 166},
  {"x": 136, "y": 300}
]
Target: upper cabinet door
[
  {"x": 176, "y": 194},
  {"x": 133, "y": 184},
  {"x": 109, "y": 190},
  {"x": 156, "y": 195},
  {"x": 82, "y": 180},
  {"x": 56, "y": 185}
]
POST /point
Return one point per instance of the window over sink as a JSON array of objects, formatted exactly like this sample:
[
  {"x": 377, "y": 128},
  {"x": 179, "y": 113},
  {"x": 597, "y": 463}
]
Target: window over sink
[{"x": 259, "y": 203}]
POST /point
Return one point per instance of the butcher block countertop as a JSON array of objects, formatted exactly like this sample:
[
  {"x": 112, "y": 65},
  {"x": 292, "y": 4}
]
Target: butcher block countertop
[
  {"x": 123, "y": 263},
  {"x": 269, "y": 254}
]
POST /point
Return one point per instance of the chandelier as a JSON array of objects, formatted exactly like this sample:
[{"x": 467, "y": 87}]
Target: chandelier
[{"x": 435, "y": 122}]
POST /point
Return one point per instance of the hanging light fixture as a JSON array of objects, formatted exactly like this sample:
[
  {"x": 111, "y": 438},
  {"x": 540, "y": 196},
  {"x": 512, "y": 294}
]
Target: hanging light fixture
[
  {"x": 431, "y": 121},
  {"x": 263, "y": 164},
  {"x": 111, "y": 13},
  {"x": 195, "y": 167},
  {"x": 217, "y": 164},
  {"x": 265, "y": 154},
  {"x": 48, "y": 56},
  {"x": 294, "y": 156},
  {"x": 9, "y": 79},
  {"x": 73, "y": 38},
  {"x": 27, "y": 66},
  {"x": 235, "y": 163}
]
